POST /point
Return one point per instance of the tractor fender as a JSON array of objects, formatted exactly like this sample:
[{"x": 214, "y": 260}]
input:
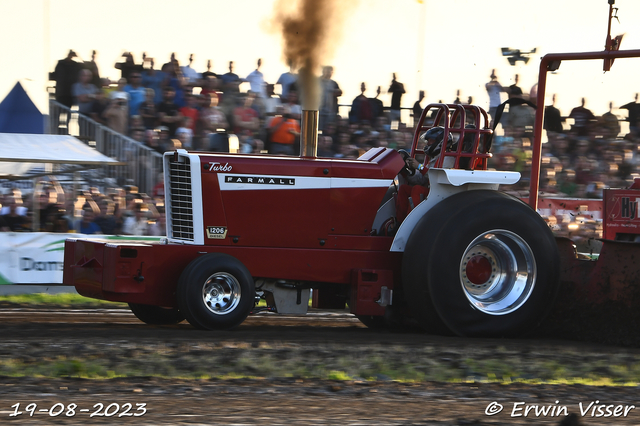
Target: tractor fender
[{"x": 445, "y": 183}]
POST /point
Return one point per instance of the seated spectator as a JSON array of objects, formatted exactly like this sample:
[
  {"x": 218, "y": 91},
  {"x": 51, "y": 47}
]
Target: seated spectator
[
  {"x": 98, "y": 106},
  {"x": 190, "y": 110},
  {"x": 137, "y": 224},
  {"x": 283, "y": 131},
  {"x": 184, "y": 134},
  {"x": 116, "y": 114},
  {"x": 159, "y": 227},
  {"x": 245, "y": 118},
  {"x": 14, "y": 221},
  {"x": 87, "y": 224},
  {"x": 105, "y": 219}
]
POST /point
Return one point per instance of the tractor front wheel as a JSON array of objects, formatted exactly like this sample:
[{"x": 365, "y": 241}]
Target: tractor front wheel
[{"x": 216, "y": 292}]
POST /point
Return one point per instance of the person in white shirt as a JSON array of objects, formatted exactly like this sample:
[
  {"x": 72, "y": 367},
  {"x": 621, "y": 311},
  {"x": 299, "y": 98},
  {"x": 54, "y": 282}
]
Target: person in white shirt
[{"x": 256, "y": 80}]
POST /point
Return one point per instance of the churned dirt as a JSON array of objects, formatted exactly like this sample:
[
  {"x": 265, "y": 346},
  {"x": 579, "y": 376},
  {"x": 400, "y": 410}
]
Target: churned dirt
[{"x": 263, "y": 373}]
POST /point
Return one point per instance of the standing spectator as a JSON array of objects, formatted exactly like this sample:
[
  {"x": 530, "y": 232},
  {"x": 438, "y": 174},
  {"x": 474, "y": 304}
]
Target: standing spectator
[
  {"x": 287, "y": 81},
  {"x": 153, "y": 79},
  {"x": 189, "y": 73},
  {"x": 230, "y": 80},
  {"x": 552, "y": 118},
  {"x": 329, "y": 100},
  {"x": 168, "y": 112},
  {"x": 93, "y": 67},
  {"x": 147, "y": 110},
  {"x": 360, "y": 107},
  {"x": 377, "y": 108},
  {"x": 417, "y": 109},
  {"x": 634, "y": 116},
  {"x": 457, "y": 100},
  {"x": 65, "y": 76},
  {"x": 128, "y": 66},
  {"x": 84, "y": 92},
  {"x": 256, "y": 81},
  {"x": 397, "y": 90},
  {"x": 137, "y": 93},
  {"x": 610, "y": 124},
  {"x": 582, "y": 118},
  {"x": 494, "y": 88},
  {"x": 514, "y": 90},
  {"x": 208, "y": 73},
  {"x": 172, "y": 60}
]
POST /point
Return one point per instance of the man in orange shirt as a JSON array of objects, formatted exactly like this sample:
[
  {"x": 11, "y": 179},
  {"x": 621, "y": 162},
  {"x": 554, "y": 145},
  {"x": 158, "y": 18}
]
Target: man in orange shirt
[{"x": 283, "y": 131}]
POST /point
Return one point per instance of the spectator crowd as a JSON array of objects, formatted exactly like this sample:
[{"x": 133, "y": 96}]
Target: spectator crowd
[{"x": 176, "y": 106}]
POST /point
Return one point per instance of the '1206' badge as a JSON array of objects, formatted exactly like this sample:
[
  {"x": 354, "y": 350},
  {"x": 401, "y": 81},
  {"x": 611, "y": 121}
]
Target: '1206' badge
[{"x": 216, "y": 232}]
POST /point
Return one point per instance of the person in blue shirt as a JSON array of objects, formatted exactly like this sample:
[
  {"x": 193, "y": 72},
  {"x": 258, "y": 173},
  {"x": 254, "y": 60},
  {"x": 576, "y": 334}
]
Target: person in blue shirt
[{"x": 87, "y": 224}]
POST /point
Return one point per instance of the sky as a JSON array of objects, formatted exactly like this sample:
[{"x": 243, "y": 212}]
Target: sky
[{"x": 439, "y": 46}]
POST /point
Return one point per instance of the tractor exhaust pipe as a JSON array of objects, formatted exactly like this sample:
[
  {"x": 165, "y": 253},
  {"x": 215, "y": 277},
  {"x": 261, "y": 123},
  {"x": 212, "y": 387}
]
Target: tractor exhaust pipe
[{"x": 309, "y": 134}]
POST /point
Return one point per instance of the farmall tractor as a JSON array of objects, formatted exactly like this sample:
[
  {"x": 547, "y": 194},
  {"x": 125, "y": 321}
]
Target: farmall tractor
[{"x": 469, "y": 259}]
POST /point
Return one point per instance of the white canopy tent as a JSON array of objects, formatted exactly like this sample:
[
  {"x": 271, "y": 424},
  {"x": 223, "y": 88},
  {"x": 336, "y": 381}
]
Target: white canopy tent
[{"x": 20, "y": 153}]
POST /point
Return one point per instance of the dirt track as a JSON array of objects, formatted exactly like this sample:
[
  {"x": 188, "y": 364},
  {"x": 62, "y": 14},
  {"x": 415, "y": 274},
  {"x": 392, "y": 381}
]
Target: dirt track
[{"x": 337, "y": 341}]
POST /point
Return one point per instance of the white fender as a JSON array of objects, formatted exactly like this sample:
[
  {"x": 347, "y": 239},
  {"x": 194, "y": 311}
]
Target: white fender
[{"x": 445, "y": 183}]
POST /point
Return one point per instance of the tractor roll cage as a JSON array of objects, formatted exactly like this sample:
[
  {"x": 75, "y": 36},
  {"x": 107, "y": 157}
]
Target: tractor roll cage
[{"x": 468, "y": 125}]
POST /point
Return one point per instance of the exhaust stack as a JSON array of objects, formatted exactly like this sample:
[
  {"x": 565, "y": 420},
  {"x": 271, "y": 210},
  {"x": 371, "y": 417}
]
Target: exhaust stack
[{"x": 309, "y": 134}]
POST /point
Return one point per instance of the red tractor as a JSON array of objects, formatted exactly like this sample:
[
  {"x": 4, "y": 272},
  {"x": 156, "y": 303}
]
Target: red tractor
[{"x": 469, "y": 259}]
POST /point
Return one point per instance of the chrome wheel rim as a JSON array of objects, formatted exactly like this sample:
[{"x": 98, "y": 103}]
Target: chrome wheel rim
[
  {"x": 498, "y": 272},
  {"x": 221, "y": 293}
]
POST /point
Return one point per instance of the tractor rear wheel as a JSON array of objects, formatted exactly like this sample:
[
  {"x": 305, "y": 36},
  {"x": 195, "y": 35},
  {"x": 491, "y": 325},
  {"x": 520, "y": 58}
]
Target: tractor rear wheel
[
  {"x": 216, "y": 292},
  {"x": 487, "y": 263},
  {"x": 156, "y": 315}
]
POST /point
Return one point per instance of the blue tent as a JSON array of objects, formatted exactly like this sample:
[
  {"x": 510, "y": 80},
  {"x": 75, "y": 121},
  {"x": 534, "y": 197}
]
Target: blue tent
[{"x": 18, "y": 114}]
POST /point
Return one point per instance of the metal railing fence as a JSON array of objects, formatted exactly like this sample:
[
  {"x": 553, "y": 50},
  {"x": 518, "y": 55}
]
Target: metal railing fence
[{"x": 143, "y": 165}]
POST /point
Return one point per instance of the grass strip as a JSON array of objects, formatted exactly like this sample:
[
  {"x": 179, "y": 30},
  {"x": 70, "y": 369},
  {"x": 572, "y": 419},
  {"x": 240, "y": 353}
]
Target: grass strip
[
  {"x": 61, "y": 299},
  {"x": 227, "y": 363}
]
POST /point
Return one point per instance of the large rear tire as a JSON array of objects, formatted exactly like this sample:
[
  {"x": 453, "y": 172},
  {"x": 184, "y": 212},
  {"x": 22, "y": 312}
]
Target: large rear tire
[
  {"x": 485, "y": 262},
  {"x": 216, "y": 292},
  {"x": 156, "y": 315}
]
